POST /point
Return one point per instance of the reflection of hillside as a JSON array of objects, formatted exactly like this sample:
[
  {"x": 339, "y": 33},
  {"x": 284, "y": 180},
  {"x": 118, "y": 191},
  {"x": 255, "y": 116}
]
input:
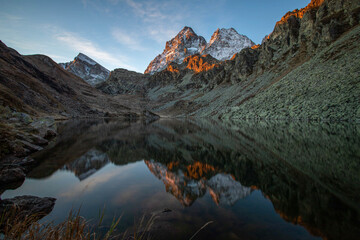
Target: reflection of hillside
[
  {"x": 76, "y": 138},
  {"x": 310, "y": 172}
]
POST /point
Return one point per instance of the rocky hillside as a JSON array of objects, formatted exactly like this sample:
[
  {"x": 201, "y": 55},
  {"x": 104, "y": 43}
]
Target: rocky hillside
[
  {"x": 122, "y": 81},
  {"x": 86, "y": 68},
  {"x": 38, "y": 86},
  {"x": 304, "y": 69},
  {"x": 224, "y": 43}
]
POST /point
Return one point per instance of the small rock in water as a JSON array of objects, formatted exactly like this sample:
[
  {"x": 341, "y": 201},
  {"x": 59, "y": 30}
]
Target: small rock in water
[{"x": 167, "y": 210}]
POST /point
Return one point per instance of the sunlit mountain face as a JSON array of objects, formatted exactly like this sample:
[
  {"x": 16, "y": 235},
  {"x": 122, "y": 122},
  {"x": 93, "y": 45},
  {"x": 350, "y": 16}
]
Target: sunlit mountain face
[{"x": 255, "y": 180}]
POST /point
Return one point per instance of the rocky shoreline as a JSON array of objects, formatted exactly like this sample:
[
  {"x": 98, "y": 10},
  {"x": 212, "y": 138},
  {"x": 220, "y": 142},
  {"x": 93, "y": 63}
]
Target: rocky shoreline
[{"x": 24, "y": 135}]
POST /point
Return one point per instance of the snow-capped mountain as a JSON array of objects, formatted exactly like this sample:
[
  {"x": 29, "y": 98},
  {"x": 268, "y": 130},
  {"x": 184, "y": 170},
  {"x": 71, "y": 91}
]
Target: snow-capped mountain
[
  {"x": 87, "y": 69},
  {"x": 223, "y": 189},
  {"x": 224, "y": 43},
  {"x": 87, "y": 164},
  {"x": 184, "y": 44}
]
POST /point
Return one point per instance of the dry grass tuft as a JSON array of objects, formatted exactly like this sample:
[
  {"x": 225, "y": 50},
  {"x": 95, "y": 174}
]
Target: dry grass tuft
[{"x": 14, "y": 226}]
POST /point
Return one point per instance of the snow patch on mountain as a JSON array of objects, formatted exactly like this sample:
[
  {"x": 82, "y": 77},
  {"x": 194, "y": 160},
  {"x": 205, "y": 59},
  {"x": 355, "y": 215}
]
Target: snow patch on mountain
[
  {"x": 225, "y": 190},
  {"x": 224, "y": 43},
  {"x": 85, "y": 58}
]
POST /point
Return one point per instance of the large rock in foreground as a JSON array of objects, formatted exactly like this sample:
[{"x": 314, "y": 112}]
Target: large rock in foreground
[{"x": 23, "y": 210}]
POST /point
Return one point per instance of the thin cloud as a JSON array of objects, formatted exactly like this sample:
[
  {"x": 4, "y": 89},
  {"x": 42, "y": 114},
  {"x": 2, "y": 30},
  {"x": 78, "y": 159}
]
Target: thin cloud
[
  {"x": 162, "y": 34},
  {"x": 161, "y": 17},
  {"x": 85, "y": 3},
  {"x": 87, "y": 47},
  {"x": 125, "y": 38},
  {"x": 10, "y": 17},
  {"x": 151, "y": 11}
]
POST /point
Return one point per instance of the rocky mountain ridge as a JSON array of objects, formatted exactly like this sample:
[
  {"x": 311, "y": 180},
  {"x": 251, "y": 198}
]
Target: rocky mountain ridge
[
  {"x": 299, "y": 71},
  {"x": 86, "y": 68},
  {"x": 223, "y": 44},
  {"x": 36, "y": 85},
  {"x": 122, "y": 81}
]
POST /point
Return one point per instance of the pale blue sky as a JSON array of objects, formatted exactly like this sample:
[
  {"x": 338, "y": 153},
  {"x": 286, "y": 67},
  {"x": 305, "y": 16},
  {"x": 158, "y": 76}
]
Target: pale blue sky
[{"x": 128, "y": 33}]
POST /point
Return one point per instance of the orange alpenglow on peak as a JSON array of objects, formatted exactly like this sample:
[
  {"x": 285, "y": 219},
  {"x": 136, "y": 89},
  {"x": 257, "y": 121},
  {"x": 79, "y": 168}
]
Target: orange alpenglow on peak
[
  {"x": 200, "y": 63},
  {"x": 198, "y": 170},
  {"x": 171, "y": 68},
  {"x": 233, "y": 57},
  {"x": 255, "y": 46},
  {"x": 300, "y": 13}
]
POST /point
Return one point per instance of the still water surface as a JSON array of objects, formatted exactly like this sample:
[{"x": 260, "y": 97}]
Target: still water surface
[{"x": 254, "y": 180}]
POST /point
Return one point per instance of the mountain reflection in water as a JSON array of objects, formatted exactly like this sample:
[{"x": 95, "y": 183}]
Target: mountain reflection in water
[{"x": 310, "y": 172}]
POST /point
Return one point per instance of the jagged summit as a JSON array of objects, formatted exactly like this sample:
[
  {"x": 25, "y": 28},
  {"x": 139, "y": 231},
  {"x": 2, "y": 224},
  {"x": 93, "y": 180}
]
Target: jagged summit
[
  {"x": 224, "y": 43},
  {"x": 86, "y": 68},
  {"x": 184, "y": 44},
  {"x": 85, "y": 58}
]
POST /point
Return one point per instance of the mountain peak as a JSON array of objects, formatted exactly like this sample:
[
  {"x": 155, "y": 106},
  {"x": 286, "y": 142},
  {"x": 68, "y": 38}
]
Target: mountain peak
[
  {"x": 186, "y": 28},
  {"x": 225, "y": 42},
  {"x": 184, "y": 44},
  {"x": 84, "y": 58},
  {"x": 86, "y": 68}
]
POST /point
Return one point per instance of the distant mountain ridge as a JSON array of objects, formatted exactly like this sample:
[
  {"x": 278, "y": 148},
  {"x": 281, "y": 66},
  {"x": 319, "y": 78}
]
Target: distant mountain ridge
[
  {"x": 223, "y": 44},
  {"x": 86, "y": 68}
]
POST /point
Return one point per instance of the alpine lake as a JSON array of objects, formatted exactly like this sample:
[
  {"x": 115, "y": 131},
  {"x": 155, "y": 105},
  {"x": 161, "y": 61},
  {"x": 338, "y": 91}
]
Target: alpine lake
[{"x": 237, "y": 180}]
